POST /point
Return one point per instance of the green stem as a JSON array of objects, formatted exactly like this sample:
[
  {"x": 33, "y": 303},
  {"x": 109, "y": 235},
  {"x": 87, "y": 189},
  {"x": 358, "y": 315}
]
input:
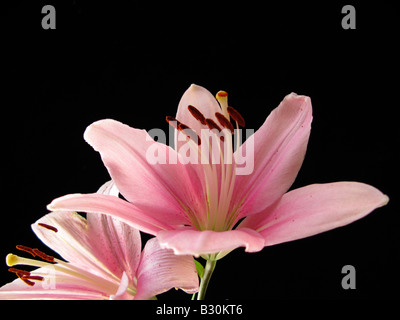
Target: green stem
[{"x": 208, "y": 271}]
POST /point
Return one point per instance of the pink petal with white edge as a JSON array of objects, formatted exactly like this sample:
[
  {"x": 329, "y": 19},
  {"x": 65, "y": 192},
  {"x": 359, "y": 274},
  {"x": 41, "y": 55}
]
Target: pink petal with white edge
[
  {"x": 71, "y": 241},
  {"x": 279, "y": 148},
  {"x": 202, "y": 100},
  {"x": 111, "y": 206},
  {"x": 160, "y": 270},
  {"x": 314, "y": 209},
  {"x": 198, "y": 243},
  {"x": 131, "y": 156}
]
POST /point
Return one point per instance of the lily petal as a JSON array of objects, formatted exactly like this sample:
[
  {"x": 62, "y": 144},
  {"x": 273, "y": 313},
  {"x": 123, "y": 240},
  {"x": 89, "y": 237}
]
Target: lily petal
[
  {"x": 279, "y": 149},
  {"x": 128, "y": 154},
  {"x": 314, "y": 209},
  {"x": 112, "y": 206},
  {"x": 196, "y": 242},
  {"x": 161, "y": 270},
  {"x": 115, "y": 243},
  {"x": 203, "y": 101},
  {"x": 121, "y": 293}
]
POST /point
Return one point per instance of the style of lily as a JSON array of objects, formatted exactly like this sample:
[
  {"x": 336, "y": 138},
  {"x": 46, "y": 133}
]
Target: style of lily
[
  {"x": 207, "y": 209},
  {"x": 105, "y": 261}
]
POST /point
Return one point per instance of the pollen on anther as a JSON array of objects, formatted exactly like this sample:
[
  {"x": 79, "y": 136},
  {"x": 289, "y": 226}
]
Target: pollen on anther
[
  {"x": 26, "y": 249},
  {"x": 19, "y": 272},
  {"x": 236, "y": 116},
  {"x": 197, "y": 114},
  {"x": 30, "y": 277},
  {"x": 43, "y": 256},
  {"x": 212, "y": 125},
  {"x": 224, "y": 121},
  {"x": 46, "y": 226},
  {"x": 189, "y": 133},
  {"x": 26, "y": 276},
  {"x": 173, "y": 122}
]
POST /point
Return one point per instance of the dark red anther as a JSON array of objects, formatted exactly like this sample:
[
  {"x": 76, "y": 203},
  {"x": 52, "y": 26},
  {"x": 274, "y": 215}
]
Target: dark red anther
[
  {"x": 182, "y": 126},
  {"x": 26, "y": 249},
  {"x": 173, "y": 122},
  {"x": 19, "y": 272},
  {"x": 212, "y": 125},
  {"x": 38, "y": 278},
  {"x": 189, "y": 133},
  {"x": 224, "y": 122},
  {"x": 197, "y": 114},
  {"x": 36, "y": 252},
  {"x": 26, "y": 276},
  {"x": 28, "y": 282},
  {"x": 48, "y": 227},
  {"x": 43, "y": 255},
  {"x": 236, "y": 116}
]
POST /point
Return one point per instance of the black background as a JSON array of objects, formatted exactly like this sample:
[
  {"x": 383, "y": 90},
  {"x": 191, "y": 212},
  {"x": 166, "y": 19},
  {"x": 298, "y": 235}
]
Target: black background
[{"x": 133, "y": 63}]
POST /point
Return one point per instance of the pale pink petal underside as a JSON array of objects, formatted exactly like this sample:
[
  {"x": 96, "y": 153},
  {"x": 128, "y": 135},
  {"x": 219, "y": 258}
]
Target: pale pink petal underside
[
  {"x": 160, "y": 270},
  {"x": 197, "y": 243}
]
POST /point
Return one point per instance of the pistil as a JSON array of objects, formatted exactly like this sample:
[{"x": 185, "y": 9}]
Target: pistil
[{"x": 222, "y": 97}]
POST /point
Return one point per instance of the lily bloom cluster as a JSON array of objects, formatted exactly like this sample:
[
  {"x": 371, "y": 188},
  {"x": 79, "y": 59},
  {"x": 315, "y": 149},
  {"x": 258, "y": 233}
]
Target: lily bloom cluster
[
  {"x": 194, "y": 208},
  {"x": 105, "y": 261}
]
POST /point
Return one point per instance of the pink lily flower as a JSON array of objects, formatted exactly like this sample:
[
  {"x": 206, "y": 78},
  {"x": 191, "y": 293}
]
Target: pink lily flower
[
  {"x": 105, "y": 261},
  {"x": 206, "y": 209}
]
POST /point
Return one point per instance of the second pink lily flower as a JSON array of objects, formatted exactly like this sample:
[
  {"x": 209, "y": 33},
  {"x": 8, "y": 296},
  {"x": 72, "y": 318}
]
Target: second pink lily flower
[{"x": 209, "y": 210}]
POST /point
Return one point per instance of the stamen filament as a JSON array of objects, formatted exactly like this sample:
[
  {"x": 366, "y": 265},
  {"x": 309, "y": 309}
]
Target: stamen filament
[{"x": 235, "y": 211}]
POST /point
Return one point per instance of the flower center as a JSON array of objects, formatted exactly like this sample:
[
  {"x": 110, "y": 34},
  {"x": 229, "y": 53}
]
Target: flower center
[{"x": 215, "y": 149}]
